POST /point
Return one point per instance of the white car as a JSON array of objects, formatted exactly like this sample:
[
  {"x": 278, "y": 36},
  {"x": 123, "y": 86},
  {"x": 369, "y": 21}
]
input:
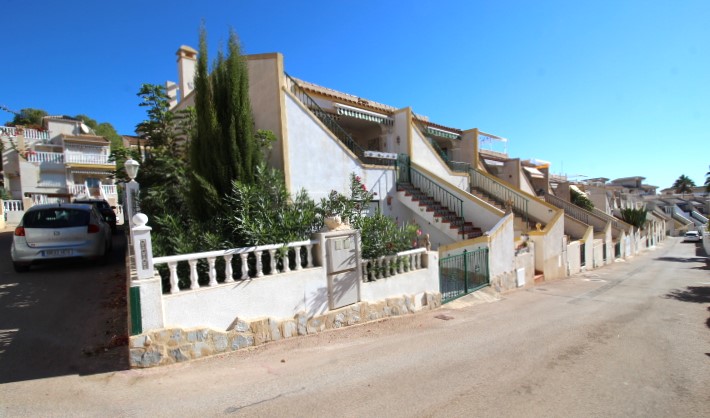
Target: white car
[
  {"x": 59, "y": 231},
  {"x": 692, "y": 236}
]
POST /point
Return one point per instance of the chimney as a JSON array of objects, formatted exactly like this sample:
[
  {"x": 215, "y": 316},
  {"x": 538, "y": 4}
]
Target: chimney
[
  {"x": 171, "y": 89},
  {"x": 187, "y": 62}
]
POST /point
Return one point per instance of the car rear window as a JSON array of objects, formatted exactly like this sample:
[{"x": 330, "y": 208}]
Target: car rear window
[
  {"x": 55, "y": 218},
  {"x": 98, "y": 204}
]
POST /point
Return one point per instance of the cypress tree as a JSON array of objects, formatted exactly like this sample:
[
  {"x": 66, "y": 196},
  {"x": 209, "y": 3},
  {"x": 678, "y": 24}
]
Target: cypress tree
[{"x": 225, "y": 148}]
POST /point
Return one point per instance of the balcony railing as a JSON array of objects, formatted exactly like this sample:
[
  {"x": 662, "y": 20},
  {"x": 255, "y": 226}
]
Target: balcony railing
[
  {"x": 586, "y": 217},
  {"x": 487, "y": 142},
  {"x": 332, "y": 125},
  {"x": 13, "y": 205},
  {"x": 500, "y": 193},
  {"x": 88, "y": 159},
  {"x": 109, "y": 189},
  {"x": 26, "y": 132},
  {"x": 80, "y": 189},
  {"x": 45, "y": 157},
  {"x": 77, "y": 189}
]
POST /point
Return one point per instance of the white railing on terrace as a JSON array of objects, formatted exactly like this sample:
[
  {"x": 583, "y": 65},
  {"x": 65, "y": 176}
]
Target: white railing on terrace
[
  {"x": 13, "y": 205},
  {"x": 26, "y": 132},
  {"x": 83, "y": 158},
  {"x": 251, "y": 262},
  {"x": 45, "y": 157},
  {"x": 109, "y": 189},
  {"x": 77, "y": 189},
  {"x": 487, "y": 142},
  {"x": 391, "y": 265}
]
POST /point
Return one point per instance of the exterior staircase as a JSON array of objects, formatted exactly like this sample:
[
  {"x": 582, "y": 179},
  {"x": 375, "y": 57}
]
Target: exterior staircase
[
  {"x": 521, "y": 225},
  {"x": 446, "y": 216}
]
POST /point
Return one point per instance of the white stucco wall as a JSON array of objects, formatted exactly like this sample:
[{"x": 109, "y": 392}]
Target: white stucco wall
[
  {"x": 319, "y": 163},
  {"x": 575, "y": 228},
  {"x": 424, "y": 155},
  {"x": 280, "y": 296},
  {"x": 502, "y": 248},
  {"x": 265, "y": 83},
  {"x": 549, "y": 246}
]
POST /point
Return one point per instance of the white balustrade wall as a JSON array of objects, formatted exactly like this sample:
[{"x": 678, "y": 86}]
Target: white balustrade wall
[
  {"x": 265, "y": 260},
  {"x": 212, "y": 289},
  {"x": 13, "y": 205},
  {"x": 388, "y": 266},
  {"x": 45, "y": 157}
]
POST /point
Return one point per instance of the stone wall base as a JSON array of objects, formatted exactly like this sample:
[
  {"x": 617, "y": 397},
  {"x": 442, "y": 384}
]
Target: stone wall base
[{"x": 173, "y": 345}]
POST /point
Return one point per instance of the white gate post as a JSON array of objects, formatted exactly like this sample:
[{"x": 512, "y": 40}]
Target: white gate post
[{"x": 149, "y": 306}]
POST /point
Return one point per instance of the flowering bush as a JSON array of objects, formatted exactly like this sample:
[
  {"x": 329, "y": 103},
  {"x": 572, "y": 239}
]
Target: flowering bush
[
  {"x": 381, "y": 236},
  {"x": 352, "y": 209}
]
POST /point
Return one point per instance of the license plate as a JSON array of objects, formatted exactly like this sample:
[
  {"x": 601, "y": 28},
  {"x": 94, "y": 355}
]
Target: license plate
[{"x": 57, "y": 253}]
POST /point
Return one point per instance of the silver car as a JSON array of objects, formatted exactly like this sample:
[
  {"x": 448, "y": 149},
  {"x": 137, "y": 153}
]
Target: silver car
[
  {"x": 59, "y": 231},
  {"x": 692, "y": 236}
]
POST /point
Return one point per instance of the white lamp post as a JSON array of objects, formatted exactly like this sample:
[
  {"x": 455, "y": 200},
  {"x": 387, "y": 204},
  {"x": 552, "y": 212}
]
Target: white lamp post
[
  {"x": 131, "y": 166},
  {"x": 132, "y": 188}
]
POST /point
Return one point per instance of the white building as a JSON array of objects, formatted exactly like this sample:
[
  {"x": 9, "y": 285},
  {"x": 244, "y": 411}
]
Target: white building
[{"x": 58, "y": 163}]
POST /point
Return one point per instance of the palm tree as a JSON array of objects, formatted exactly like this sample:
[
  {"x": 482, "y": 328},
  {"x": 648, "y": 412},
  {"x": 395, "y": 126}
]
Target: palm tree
[{"x": 683, "y": 184}]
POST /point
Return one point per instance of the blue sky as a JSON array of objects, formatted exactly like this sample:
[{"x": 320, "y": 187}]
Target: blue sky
[{"x": 598, "y": 88}]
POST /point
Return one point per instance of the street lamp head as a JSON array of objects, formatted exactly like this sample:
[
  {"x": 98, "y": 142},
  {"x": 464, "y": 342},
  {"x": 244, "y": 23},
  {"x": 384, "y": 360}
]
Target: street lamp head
[{"x": 131, "y": 166}]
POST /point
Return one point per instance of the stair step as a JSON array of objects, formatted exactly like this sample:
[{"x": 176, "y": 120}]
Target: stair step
[{"x": 440, "y": 212}]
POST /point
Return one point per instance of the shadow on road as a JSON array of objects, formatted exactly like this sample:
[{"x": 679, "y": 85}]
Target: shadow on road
[
  {"x": 62, "y": 319},
  {"x": 694, "y": 294}
]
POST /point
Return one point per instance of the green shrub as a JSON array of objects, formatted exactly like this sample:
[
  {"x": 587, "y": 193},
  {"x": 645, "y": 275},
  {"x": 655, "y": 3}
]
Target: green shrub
[
  {"x": 581, "y": 200},
  {"x": 635, "y": 217}
]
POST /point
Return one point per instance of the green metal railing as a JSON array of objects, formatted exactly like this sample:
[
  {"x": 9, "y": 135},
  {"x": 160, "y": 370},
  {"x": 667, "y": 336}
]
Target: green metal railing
[
  {"x": 501, "y": 193},
  {"x": 333, "y": 126},
  {"x": 408, "y": 175},
  {"x": 436, "y": 192},
  {"x": 462, "y": 274}
]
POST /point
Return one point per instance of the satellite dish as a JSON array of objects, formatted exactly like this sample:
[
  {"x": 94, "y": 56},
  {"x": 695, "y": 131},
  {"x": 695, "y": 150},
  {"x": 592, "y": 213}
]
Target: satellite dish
[{"x": 85, "y": 129}]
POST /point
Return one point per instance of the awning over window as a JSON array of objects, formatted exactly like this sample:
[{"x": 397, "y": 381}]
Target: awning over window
[
  {"x": 534, "y": 172},
  {"x": 97, "y": 173},
  {"x": 442, "y": 133},
  {"x": 493, "y": 162},
  {"x": 363, "y": 114}
]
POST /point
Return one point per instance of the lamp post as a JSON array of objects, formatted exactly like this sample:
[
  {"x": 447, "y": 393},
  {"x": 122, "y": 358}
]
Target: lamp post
[
  {"x": 131, "y": 166},
  {"x": 132, "y": 188}
]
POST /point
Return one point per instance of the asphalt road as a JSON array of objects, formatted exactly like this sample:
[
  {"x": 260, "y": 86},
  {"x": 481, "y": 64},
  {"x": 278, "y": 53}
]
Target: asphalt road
[
  {"x": 62, "y": 319},
  {"x": 628, "y": 340}
]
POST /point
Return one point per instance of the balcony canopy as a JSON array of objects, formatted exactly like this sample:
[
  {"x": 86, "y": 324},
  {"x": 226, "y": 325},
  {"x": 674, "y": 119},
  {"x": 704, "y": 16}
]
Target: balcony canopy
[{"x": 367, "y": 115}]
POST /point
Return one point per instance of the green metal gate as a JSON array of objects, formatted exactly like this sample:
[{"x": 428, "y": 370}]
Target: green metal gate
[
  {"x": 462, "y": 274},
  {"x": 402, "y": 164}
]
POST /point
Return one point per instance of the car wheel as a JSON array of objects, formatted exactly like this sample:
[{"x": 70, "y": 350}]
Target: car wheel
[{"x": 20, "y": 268}]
